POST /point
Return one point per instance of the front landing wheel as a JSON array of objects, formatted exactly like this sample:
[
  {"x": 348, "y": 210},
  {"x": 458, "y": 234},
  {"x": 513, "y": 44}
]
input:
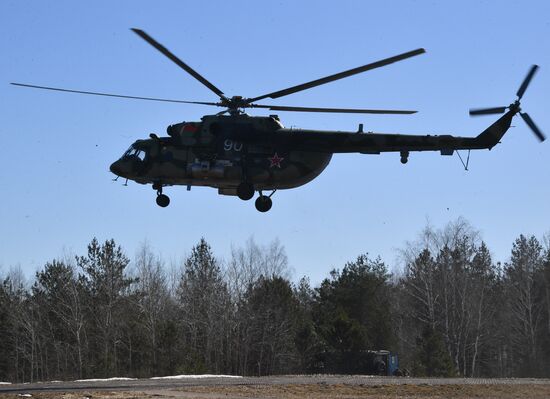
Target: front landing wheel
[
  {"x": 163, "y": 200},
  {"x": 263, "y": 203}
]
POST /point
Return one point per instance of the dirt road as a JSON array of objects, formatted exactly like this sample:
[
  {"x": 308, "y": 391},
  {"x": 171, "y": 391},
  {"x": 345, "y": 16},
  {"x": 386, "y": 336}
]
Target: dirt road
[{"x": 317, "y": 386}]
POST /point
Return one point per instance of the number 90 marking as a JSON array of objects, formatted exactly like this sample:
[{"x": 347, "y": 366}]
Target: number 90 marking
[{"x": 230, "y": 145}]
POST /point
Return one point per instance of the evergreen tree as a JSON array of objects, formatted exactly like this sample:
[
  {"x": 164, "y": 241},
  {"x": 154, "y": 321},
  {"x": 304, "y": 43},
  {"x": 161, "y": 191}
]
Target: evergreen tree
[
  {"x": 353, "y": 308},
  {"x": 432, "y": 356},
  {"x": 525, "y": 296},
  {"x": 485, "y": 303},
  {"x": 307, "y": 341},
  {"x": 204, "y": 301},
  {"x": 106, "y": 298}
]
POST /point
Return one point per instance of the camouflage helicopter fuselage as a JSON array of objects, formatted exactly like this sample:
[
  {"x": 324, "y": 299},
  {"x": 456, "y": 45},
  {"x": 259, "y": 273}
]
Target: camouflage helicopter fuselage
[
  {"x": 222, "y": 152},
  {"x": 225, "y": 152}
]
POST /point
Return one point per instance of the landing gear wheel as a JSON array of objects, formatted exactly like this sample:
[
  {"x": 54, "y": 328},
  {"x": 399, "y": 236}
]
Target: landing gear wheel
[
  {"x": 245, "y": 191},
  {"x": 163, "y": 200},
  {"x": 263, "y": 203}
]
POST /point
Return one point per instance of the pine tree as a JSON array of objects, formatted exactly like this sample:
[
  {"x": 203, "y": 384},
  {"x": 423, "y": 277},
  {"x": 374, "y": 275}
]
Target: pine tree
[
  {"x": 307, "y": 341},
  {"x": 353, "y": 308},
  {"x": 524, "y": 292},
  {"x": 204, "y": 303},
  {"x": 433, "y": 358},
  {"x": 106, "y": 298}
]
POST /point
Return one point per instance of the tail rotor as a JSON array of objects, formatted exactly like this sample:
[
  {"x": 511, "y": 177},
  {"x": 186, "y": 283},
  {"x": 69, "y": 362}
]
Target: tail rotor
[{"x": 515, "y": 106}]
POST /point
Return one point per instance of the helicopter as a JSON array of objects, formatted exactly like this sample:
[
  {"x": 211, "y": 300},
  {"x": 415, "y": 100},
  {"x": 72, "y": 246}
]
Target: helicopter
[{"x": 240, "y": 155}]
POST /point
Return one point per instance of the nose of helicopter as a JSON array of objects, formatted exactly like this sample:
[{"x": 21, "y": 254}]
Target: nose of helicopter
[
  {"x": 117, "y": 168},
  {"x": 126, "y": 167}
]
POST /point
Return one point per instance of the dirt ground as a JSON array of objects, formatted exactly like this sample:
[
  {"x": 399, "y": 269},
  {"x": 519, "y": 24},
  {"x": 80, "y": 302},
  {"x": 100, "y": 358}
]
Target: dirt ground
[{"x": 321, "y": 391}]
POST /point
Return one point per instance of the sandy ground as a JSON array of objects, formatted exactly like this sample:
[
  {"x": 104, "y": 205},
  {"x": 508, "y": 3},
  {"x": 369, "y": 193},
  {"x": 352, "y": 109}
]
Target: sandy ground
[
  {"x": 284, "y": 386},
  {"x": 376, "y": 391},
  {"x": 319, "y": 390}
]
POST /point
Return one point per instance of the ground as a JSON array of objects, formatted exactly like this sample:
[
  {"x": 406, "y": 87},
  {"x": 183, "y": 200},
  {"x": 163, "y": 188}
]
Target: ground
[{"x": 289, "y": 387}]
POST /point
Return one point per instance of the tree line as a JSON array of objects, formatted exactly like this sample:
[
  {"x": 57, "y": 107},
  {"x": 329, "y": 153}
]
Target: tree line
[{"x": 450, "y": 311}]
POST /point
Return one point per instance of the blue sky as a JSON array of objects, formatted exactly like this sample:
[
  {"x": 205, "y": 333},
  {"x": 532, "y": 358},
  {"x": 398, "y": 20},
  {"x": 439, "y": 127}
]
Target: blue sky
[{"x": 58, "y": 193}]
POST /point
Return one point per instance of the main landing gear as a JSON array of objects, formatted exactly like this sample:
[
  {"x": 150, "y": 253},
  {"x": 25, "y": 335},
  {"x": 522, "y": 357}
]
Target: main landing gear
[
  {"x": 263, "y": 203},
  {"x": 162, "y": 199},
  {"x": 245, "y": 191}
]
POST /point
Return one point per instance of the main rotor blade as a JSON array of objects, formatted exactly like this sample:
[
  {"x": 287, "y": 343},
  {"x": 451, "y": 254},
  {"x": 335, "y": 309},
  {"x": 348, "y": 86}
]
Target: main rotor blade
[
  {"x": 177, "y": 61},
  {"x": 487, "y": 111},
  {"x": 527, "y": 80},
  {"x": 341, "y": 75},
  {"x": 93, "y": 93},
  {"x": 532, "y": 125},
  {"x": 335, "y": 110}
]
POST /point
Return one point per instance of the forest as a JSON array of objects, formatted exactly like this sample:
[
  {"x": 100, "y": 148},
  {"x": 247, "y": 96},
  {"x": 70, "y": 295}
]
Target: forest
[{"x": 449, "y": 310}]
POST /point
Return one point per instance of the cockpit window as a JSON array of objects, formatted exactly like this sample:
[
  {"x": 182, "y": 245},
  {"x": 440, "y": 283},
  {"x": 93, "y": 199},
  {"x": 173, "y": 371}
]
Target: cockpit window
[
  {"x": 140, "y": 154},
  {"x": 128, "y": 151},
  {"x": 133, "y": 152}
]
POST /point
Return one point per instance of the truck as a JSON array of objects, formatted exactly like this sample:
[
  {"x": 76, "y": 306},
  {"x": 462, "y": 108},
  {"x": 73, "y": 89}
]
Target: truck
[{"x": 369, "y": 362}]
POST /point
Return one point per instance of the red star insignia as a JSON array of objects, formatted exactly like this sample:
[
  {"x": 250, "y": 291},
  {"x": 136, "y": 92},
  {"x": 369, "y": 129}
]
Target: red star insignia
[{"x": 275, "y": 161}]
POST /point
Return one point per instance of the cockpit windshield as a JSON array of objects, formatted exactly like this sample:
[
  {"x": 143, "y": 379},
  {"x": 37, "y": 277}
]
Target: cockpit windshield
[{"x": 134, "y": 152}]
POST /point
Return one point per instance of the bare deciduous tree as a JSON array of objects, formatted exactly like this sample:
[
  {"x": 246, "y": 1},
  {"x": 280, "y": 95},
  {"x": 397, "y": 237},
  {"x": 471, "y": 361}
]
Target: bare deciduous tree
[{"x": 152, "y": 298}]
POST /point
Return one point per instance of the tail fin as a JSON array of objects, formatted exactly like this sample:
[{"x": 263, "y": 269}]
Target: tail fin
[{"x": 492, "y": 135}]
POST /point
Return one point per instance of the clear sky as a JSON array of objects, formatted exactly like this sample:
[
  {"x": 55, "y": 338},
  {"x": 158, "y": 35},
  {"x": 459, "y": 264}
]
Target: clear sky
[{"x": 56, "y": 148}]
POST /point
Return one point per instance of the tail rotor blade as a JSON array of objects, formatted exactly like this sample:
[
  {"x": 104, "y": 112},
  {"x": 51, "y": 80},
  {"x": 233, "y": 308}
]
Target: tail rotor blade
[
  {"x": 532, "y": 125},
  {"x": 527, "y": 80},
  {"x": 487, "y": 111}
]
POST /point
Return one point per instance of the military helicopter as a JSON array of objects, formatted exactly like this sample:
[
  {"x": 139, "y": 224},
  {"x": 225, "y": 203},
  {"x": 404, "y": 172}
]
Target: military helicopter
[{"x": 240, "y": 154}]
